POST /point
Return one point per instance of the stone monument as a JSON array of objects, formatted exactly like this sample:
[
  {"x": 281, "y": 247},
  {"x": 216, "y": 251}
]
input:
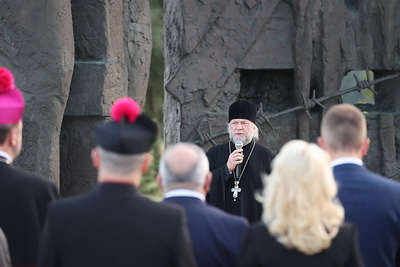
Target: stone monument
[
  {"x": 72, "y": 59},
  {"x": 289, "y": 58}
]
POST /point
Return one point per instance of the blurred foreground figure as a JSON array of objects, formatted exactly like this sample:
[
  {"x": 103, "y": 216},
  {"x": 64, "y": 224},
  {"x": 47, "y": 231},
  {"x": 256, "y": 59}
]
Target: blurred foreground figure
[
  {"x": 371, "y": 201},
  {"x": 302, "y": 223},
  {"x": 23, "y": 196},
  {"x": 113, "y": 225},
  {"x": 185, "y": 179}
]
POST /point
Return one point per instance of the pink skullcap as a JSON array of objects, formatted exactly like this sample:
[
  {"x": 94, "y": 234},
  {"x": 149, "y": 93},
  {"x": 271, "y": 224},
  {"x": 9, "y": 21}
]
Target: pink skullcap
[{"x": 12, "y": 102}]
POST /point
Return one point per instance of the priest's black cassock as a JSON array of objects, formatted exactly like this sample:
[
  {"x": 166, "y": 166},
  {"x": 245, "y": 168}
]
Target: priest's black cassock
[{"x": 220, "y": 194}]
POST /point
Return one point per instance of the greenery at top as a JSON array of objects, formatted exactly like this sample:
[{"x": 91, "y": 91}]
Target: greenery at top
[{"x": 149, "y": 186}]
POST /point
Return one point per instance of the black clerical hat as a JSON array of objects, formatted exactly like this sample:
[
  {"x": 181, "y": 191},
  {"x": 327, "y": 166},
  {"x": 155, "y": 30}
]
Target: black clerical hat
[
  {"x": 130, "y": 132},
  {"x": 243, "y": 109}
]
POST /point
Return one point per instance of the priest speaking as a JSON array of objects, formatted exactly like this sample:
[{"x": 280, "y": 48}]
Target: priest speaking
[{"x": 237, "y": 165}]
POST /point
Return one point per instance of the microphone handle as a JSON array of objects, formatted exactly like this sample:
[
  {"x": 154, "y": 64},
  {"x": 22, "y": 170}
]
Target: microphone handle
[{"x": 238, "y": 170}]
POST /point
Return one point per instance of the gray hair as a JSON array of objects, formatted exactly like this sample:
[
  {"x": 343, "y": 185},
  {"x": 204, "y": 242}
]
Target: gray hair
[
  {"x": 120, "y": 164},
  {"x": 191, "y": 170}
]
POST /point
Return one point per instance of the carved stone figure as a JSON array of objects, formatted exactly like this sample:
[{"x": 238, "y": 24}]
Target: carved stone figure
[{"x": 72, "y": 59}]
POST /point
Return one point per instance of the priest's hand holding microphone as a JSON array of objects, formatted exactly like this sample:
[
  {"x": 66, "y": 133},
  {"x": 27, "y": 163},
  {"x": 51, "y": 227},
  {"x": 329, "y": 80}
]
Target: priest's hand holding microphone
[{"x": 235, "y": 159}]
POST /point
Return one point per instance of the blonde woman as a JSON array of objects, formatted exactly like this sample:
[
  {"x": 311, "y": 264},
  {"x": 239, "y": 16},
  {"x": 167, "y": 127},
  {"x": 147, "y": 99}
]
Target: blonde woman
[{"x": 302, "y": 223}]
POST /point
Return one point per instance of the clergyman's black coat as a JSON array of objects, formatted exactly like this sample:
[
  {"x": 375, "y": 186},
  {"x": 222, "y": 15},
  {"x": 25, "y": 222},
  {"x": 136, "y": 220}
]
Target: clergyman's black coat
[
  {"x": 114, "y": 226},
  {"x": 23, "y": 203},
  {"x": 220, "y": 194}
]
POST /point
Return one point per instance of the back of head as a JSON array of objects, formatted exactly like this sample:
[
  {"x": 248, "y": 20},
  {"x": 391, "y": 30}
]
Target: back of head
[
  {"x": 344, "y": 128},
  {"x": 120, "y": 164},
  {"x": 125, "y": 140},
  {"x": 298, "y": 200},
  {"x": 183, "y": 165}
]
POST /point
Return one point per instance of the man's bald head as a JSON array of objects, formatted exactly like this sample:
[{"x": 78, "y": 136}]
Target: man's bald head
[{"x": 183, "y": 165}]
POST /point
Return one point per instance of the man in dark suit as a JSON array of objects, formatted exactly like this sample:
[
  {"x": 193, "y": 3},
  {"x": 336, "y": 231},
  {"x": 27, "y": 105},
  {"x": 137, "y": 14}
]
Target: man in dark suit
[
  {"x": 185, "y": 178},
  {"x": 23, "y": 196},
  {"x": 113, "y": 225},
  {"x": 371, "y": 201}
]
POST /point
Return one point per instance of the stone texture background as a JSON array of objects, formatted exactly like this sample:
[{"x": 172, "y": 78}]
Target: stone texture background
[
  {"x": 277, "y": 53},
  {"x": 37, "y": 45},
  {"x": 72, "y": 59}
]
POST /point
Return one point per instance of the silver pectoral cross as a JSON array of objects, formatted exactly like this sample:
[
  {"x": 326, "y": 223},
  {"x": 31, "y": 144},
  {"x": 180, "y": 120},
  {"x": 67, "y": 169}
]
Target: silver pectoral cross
[{"x": 236, "y": 190}]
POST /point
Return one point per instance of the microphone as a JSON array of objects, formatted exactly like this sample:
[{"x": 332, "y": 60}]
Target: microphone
[{"x": 238, "y": 145}]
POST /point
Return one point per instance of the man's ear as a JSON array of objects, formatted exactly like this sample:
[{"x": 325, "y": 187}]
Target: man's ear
[
  {"x": 321, "y": 142},
  {"x": 13, "y": 136},
  {"x": 95, "y": 158},
  {"x": 365, "y": 146},
  {"x": 207, "y": 184}
]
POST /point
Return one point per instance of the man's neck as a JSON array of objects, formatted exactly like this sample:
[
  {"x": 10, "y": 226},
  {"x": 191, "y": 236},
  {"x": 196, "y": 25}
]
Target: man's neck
[
  {"x": 133, "y": 180},
  {"x": 184, "y": 193},
  {"x": 341, "y": 154},
  {"x": 6, "y": 155},
  {"x": 346, "y": 160}
]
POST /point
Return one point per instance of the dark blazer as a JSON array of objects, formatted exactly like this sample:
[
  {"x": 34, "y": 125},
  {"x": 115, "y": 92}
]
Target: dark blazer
[
  {"x": 372, "y": 202},
  {"x": 114, "y": 226},
  {"x": 216, "y": 235},
  {"x": 262, "y": 249},
  {"x": 23, "y": 202}
]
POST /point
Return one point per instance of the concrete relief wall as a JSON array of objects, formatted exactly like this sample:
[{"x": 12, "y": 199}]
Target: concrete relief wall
[
  {"x": 73, "y": 58},
  {"x": 281, "y": 55}
]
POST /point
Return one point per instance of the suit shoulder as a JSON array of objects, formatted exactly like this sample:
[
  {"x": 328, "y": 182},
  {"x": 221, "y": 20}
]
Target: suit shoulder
[
  {"x": 166, "y": 210},
  {"x": 72, "y": 203},
  {"x": 385, "y": 182},
  {"x": 165, "y": 206},
  {"x": 30, "y": 178},
  {"x": 222, "y": 215}
]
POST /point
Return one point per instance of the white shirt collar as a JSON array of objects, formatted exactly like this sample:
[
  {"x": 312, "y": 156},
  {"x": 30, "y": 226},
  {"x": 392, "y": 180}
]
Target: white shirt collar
[
  {"x": 184, "y": 193},
  {"x": 6, "y": 155},
  {"x": 346, "y": 160}
]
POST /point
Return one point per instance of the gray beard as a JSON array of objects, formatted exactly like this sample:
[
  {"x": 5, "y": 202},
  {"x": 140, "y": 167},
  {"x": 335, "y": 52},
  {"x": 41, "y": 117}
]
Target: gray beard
[{"x": 245, "y": 139}]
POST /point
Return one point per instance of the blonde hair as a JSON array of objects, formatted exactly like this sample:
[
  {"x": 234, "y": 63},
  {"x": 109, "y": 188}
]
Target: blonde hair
[
  {"x": 344, "y": 128},
  {"x": 299, "y": 200}
]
